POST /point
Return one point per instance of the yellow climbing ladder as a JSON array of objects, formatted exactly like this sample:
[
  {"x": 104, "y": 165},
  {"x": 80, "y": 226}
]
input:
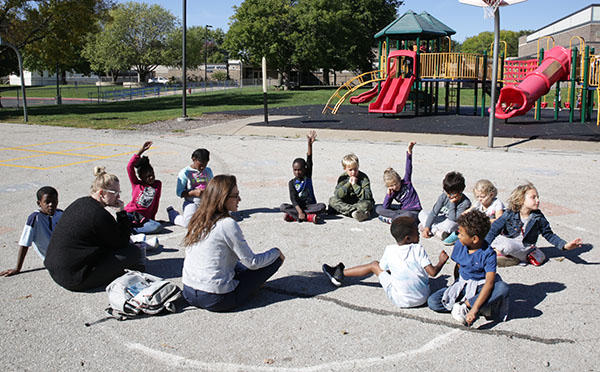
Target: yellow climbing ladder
[{"x": 350, "y": 87}]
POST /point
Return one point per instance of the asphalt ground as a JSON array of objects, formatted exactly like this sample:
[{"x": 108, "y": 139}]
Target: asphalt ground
[{"x": 299, "y": 321}]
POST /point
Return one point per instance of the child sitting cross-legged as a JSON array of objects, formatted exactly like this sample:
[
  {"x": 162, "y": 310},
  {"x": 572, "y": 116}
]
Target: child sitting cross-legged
[
  {"x": 441, "y": 221},
  {"x": 400, "y": 190},
  {"x": 352, "y": 196},
  {"x": 515, "y": 233},
  {"x": 404, "y": 269},
  {"x": 477, "y": 288},
  {"x": 304, "y": 205}
]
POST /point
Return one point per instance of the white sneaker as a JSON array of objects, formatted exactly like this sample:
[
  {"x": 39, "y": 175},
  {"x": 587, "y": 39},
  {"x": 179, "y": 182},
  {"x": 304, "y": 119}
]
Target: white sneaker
[
  {"x": 459, "y": 312},
  {"x": 152, "y": 243},
  {"x": 137, "y": 238}
]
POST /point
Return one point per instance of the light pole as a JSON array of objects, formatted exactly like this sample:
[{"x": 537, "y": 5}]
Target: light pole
[
  {"x": 206, "y": 54},
  {"x": 183, "y": 66},
  {"x": 20, "y": 60}
]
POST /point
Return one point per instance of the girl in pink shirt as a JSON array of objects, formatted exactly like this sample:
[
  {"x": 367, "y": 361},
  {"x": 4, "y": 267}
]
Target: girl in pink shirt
[{"x": 145, "y": 193}]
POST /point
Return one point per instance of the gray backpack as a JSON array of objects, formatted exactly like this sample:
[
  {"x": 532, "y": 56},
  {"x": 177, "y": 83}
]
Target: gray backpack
[{"x": 136, "y": 293}]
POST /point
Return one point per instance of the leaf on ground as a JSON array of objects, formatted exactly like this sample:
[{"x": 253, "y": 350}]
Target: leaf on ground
[
  {"x": 269, "y": 361},
  {"x": 24, "y": 297}
]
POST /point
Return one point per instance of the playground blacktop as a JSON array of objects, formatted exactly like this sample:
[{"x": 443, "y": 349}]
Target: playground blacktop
[{"x": 298, "y": 321}]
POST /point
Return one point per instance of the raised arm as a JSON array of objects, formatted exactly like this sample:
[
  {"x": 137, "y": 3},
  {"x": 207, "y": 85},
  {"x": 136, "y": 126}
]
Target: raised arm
[
  {"x": 434, "y": 270},
  {"x": 408, "y": 164}
]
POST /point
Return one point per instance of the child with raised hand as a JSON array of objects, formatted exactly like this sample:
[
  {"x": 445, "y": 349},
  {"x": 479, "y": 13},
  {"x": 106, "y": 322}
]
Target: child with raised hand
[
  {"x": 352, "y": 196},
  {"x": 400, "y": 190},
  {"x": 486, "y": 201},
  {"x": 304, "y": 205},
  {"x": 38, "y": 228},
  {"x": 145, "y": 193},
  {"x": 442, "y": 220},
  {"x": 404, "y": 269},
  {"x": 477, "y": 289},
  {"x": 515, "y": 233},
  {"x": 191, "y": 183}
]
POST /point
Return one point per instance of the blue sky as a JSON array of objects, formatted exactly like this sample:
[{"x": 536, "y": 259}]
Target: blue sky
[{"x": 466, "y": 20}]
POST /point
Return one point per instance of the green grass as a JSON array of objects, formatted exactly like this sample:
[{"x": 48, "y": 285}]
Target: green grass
[{"x": 125, "y": 114}]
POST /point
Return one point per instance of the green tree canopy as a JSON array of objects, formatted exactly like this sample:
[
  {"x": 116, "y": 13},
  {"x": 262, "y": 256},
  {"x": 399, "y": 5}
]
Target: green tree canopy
[
  {"x": 199, "y": 41},
  {"x": 49, "y": 32},
  {"x": 483, "y": 41},
  {"x": 136, "y": 36}
]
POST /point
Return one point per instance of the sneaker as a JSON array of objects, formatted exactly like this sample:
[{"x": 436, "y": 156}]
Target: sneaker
[
  {"x": 172, "y": 214},
  {"x": 385, "y": 219},
  {"x": 289, "y": 218},
  {"x": 335, "y": 273},
  {"x": 459, "y": 312},
  {"x": 450, "y": 239},
  {"x": 137, "y": 238},
  {"x": 151, "y": 243},
  {"x": 360, "y": 215},
  {"x": 506, "y": 261},
  {"x": 313, "y": 217}
]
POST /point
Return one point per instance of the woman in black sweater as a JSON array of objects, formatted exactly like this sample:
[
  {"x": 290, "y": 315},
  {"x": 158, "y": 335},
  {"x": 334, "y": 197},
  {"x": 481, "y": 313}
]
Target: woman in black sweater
[{"x": 88, "y": 248}]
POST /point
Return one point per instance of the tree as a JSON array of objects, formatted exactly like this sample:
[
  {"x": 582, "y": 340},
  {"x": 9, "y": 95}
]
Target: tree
[
  {"x": 49, "y": 32},
  {"x": 264, "y": 28},
  {"x": 137, "y": 36},
  {"x": 199, "y": 42},
  {"x": 483, "y": 41}
]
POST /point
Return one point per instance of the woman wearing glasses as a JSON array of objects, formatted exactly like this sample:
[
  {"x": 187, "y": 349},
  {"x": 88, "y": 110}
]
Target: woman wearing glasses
[
  {"x": 220, "y": 271},
  {"x": 90, "y": 248}
]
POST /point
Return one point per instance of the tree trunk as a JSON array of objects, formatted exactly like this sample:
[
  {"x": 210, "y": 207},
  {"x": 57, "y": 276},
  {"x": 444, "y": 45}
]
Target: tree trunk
[{"x": 326, "y": 77}]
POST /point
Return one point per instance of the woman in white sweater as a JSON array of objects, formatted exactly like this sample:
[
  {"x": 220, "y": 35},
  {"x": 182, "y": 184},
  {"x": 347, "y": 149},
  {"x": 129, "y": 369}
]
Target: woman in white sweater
[{"x": 220, "y": 271}]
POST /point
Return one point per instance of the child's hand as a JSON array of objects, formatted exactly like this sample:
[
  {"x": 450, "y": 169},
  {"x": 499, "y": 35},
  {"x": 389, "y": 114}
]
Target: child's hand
[
  {"x": 353, "y": 180},
  {"x": 410, "y": 146},
  {"x": 390, "y": 190},
  {"x": 145, "y": 147},
  {"x": 311, "y": 136},
  {"x": 302, "y": 216},
  {"x": 119, "y": 206},
  {"x": 471, "y": 316},
  {"x": 9, "y": 272},
  {"x": 426, "y": 232},
  {"x": 574, "y": 244},
  {"x": 443, "y": 256}
]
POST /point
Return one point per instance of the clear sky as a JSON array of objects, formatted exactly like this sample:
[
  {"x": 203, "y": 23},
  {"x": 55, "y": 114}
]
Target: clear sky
[{"x": 466, "y": 20}]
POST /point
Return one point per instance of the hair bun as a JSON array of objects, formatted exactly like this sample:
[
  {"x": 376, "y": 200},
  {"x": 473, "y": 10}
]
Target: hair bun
[{"x": 99, "y": 170}]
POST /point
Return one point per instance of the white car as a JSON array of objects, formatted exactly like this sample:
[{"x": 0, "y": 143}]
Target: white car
[{"x": 158, "y": 80}]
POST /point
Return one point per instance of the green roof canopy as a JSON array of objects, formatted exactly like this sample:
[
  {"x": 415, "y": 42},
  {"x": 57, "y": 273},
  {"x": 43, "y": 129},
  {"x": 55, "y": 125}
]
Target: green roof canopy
[{"x": 412, "y": 25}]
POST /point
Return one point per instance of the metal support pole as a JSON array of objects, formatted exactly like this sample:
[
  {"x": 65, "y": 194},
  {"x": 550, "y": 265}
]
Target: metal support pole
[
  {"x": 494, "y": 78},
  {"x": 572, "y": 102},
  {"x": 264, "y": 77},
  {"x": 584, "y": 90},
  {"x": 184, "y": 64},
  {"x": 20, "y": 61}
]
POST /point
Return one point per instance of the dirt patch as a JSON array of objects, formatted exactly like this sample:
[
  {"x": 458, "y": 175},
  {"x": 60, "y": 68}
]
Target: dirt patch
[{"x": 177, "y": 126}]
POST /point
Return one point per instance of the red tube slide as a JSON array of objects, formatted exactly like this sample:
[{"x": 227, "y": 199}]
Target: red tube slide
[{"x": 517, "y": 100}]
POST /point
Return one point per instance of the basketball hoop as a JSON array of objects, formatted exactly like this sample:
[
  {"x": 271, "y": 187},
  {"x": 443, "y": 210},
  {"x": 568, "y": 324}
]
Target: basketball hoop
[{"x": 490, "y": 8}]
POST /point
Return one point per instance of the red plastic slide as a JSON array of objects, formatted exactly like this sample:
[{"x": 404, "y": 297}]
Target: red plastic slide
[
  {"x": 365, "y": 96},
  {"x": 517, "y": 100},
  {"x": 395, "y": 90}
]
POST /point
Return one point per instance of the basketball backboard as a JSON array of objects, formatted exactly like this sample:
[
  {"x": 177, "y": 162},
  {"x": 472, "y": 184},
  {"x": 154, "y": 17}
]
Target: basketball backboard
[{"x": 482, "y": 3}]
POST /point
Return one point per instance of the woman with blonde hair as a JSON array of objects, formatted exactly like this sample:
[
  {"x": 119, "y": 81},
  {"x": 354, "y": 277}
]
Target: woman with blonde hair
[
  {"x": 220, "y": 271},
  {"x": 89, "y": 248}
]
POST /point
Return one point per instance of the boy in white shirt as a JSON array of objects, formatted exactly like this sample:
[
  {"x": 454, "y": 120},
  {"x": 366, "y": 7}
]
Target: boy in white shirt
[
  {"x": 404, "y": 269},
  {"x": 38, "y": 228}
]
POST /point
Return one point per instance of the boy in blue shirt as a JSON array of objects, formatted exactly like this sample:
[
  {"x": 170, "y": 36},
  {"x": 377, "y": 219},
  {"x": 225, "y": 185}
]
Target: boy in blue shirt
[
  {"x": 38, "y": 228},
  {"x": 477, "y": 288}
]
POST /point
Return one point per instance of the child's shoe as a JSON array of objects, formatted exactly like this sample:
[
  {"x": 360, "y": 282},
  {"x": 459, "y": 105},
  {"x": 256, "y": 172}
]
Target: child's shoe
[
  {"x": 335, "y": 273},
  {"x": 151, "y": 243},
  {"x": 459, "y": 312},
  {"x": 137, "y": 238},
  {"x": 289, "y": 218},
  {"x": 360, "y": 215},
  {"x": 450, "y": 239},
  {"x": 506, "y": 261},
  {"x": 313, "y": 217},
  {"x": 385, "y": 219},
  {"x": 536, "y": 257},
  {"x": 172, "y": 214}
]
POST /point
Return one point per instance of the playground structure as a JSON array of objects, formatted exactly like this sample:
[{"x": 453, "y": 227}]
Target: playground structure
[{"x": 523, "y": 85}]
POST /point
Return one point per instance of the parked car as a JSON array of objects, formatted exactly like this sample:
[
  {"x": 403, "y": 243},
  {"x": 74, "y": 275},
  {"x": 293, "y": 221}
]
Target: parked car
[{"x": 158, "y": 80}]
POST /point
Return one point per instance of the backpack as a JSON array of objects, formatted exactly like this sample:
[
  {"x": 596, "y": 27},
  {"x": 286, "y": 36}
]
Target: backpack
[{"x": 135, "y": 293}]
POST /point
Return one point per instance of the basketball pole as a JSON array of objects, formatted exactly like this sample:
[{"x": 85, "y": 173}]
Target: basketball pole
[{"x": 494, "y": 77}]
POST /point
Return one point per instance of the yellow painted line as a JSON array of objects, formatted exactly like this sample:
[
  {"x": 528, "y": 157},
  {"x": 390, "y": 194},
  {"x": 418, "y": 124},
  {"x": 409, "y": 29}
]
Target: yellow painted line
[
  {"x": 36, "y": 144},
  {"x": 65, "y": 165}
]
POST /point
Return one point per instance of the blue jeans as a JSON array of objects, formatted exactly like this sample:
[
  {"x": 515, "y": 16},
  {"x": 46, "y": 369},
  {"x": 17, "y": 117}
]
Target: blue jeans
[
  {"x": 499, "y": 293},
  {"x": 250, "y": 282},
  {"x": 149, "y": 227}
]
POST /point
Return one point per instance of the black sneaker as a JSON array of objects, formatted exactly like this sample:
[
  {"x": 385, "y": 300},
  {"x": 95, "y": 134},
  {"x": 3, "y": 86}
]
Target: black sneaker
[{"x": 335, "y": 273}]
